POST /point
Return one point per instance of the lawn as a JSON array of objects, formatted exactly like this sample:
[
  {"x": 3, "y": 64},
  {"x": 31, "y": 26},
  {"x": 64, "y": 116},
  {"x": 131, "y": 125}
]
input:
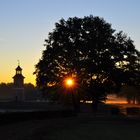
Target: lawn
[{"x": 85, "y": 126}]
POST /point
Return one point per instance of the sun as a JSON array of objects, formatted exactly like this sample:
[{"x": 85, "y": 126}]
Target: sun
[{"x": 69, "y": 82}]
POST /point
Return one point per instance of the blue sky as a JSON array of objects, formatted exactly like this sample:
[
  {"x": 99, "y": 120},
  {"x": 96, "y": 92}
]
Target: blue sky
[{"x": 24, "y": 24}]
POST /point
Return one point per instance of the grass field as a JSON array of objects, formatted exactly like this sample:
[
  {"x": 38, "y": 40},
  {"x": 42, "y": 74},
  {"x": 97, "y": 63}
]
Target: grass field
[{"x": 82, "y": 127}]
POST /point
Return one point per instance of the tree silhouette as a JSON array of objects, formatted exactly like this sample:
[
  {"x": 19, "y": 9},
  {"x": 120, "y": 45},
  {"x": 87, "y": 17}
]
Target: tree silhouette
[
  {"x": 89, "y": 50},
  {"x": 7, "y": 91}
]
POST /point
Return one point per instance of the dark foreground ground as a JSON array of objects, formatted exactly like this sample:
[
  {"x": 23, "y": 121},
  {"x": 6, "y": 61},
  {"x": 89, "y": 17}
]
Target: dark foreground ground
[
  {"x": 55, "y": 126},
  {"x": 81, "y": 127}
]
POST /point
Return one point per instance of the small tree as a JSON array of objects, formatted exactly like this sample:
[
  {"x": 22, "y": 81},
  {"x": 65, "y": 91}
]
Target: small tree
[{"x": 90, "y": 50}]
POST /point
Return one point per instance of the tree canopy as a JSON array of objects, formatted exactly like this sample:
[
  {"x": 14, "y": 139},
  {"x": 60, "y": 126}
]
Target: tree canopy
[{"x": 88, "y": 49}]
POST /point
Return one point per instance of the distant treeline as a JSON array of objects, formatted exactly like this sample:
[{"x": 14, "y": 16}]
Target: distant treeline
[
  {"x": 7, "y": 91},
  {"x": 131, "y": 93}
]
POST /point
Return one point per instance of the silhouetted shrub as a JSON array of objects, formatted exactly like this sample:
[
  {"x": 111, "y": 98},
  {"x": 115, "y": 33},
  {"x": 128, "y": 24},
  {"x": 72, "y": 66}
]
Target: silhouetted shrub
[
  {"x": 133, "y": 110},
  {"x": 115, "y": 111}
]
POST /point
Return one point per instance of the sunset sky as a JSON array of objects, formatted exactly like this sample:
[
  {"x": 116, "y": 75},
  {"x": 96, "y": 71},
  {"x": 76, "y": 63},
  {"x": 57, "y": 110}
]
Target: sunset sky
[{"x": 24, "y": 24}]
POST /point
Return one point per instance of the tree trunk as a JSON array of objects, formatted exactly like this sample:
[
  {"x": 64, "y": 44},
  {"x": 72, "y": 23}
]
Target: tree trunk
[
  {"x": 75, "y": 102},
  {"x": 94, "y": 105}
]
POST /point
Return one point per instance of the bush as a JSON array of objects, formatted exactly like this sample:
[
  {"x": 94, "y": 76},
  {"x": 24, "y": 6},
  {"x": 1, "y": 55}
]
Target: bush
[
  {"x": 115, "y": 111},
  {"x": 132, "y": 110}
]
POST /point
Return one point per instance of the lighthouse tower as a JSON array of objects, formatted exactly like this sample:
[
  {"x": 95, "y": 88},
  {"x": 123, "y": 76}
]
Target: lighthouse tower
[{"x": 19, "y": 84}]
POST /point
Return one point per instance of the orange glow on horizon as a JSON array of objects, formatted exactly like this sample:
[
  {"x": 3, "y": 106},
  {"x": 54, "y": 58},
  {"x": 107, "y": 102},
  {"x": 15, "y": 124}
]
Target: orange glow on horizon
[{"x": 7, "y": 78}]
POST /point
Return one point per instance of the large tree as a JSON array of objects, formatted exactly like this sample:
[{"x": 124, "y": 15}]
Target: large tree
[{"x": 92, "y": 52}]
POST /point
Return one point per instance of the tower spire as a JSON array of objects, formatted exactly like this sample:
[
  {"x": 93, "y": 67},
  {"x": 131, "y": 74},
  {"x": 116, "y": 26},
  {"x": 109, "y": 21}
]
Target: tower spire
[
  {"x": 18, "y": 62},
  {"x": 18, "y": 78},
  {"x": 18, "y": 82}
]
